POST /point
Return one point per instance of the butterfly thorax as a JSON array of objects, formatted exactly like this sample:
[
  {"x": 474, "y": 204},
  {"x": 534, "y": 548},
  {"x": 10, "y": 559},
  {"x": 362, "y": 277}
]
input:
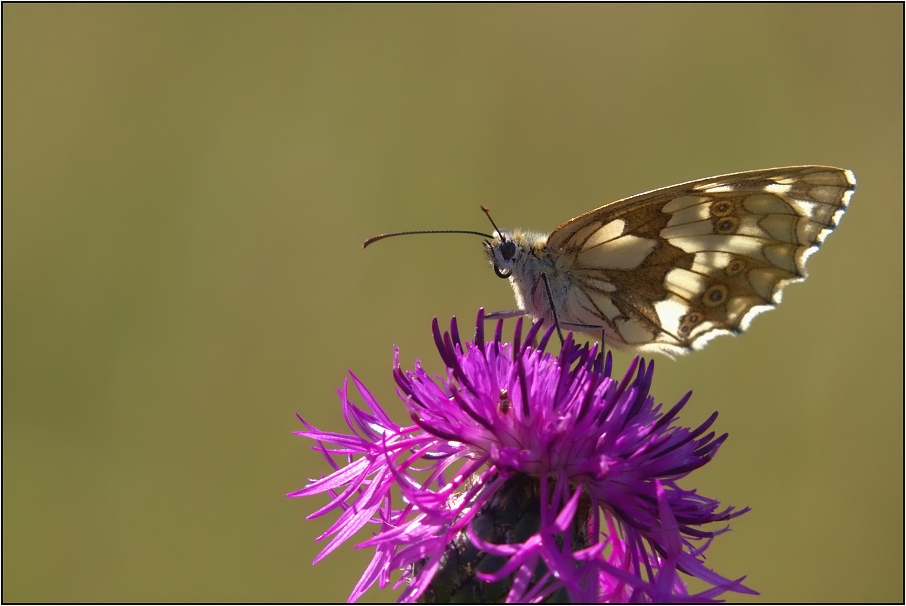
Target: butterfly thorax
[{"x": 523, "y": 257}]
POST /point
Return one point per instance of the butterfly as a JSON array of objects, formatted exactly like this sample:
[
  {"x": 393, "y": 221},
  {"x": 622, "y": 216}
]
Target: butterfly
[{"x": 670, "y": 269}]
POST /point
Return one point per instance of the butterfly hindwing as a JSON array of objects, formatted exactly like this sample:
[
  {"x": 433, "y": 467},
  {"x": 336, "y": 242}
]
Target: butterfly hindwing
[{"x": 672, "y": 268}]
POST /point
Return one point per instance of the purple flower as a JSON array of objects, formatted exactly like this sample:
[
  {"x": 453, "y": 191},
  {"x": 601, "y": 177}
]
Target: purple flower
[{"x": 524, "y": 476}]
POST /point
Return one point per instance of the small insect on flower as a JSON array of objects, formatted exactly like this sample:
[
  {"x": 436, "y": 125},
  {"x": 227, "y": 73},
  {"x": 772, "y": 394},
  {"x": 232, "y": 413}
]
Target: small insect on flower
[
  {"x": 524, "y": 476},
  {"x": 670, "y": 269},
  {"x": 504, "y": 404}
]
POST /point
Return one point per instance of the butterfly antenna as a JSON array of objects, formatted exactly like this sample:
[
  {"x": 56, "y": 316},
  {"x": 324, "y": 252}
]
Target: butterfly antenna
[
  {"x": 487, "y": 211},
  {"x": 430, "y": 231},
  {"x": 550, "y": 299}
]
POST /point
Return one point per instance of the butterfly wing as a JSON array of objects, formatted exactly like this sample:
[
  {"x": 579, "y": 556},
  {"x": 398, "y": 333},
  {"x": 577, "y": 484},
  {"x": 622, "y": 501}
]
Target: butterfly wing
[{"x": 670, "y": 269}]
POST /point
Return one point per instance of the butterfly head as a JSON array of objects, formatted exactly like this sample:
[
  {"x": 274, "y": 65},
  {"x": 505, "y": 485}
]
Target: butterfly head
[{"x": 503, "y": 252}]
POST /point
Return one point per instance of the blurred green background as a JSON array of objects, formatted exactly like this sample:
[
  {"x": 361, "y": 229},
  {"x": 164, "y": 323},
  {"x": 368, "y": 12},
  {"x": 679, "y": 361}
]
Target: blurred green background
[{"x": 185, "y": 193}]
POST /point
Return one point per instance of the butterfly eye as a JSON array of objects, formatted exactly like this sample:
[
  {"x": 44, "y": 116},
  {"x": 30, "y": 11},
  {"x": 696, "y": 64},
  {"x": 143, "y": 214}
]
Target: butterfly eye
[
  {"x": 508, "y": 249},
  {"x": 502, "y": 274}
]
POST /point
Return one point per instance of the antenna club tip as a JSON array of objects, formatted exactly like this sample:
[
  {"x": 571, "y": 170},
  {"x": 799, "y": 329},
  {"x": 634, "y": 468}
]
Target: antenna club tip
[{"x": 485, "y": 208}]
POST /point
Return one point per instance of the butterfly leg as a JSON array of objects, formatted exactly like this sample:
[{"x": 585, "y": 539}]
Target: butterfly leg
[
  {"x": 501, "y": 315},
  {"x": 585, "y": 327},
  {"x": 550, "y": 299}
]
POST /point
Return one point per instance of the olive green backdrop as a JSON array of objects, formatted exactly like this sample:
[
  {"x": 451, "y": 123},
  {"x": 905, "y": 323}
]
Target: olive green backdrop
[{"x": 185, "y": 194}]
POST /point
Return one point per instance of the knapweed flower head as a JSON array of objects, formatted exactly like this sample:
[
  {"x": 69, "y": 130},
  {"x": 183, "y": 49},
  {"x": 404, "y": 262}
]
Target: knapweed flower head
[{"x": 523, "y": 477}]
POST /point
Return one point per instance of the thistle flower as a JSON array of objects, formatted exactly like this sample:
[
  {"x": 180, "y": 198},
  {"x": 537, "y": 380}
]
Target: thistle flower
[{"x": 523, "y": 477}]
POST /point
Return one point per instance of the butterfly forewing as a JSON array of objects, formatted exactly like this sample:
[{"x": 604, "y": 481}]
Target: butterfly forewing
[{"x": 671, "y": 268}]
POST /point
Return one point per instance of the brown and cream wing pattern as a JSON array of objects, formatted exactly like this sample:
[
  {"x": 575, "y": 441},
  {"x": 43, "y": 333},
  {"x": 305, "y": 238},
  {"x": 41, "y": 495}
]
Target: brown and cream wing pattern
[{"x": 671, "y": 268}]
